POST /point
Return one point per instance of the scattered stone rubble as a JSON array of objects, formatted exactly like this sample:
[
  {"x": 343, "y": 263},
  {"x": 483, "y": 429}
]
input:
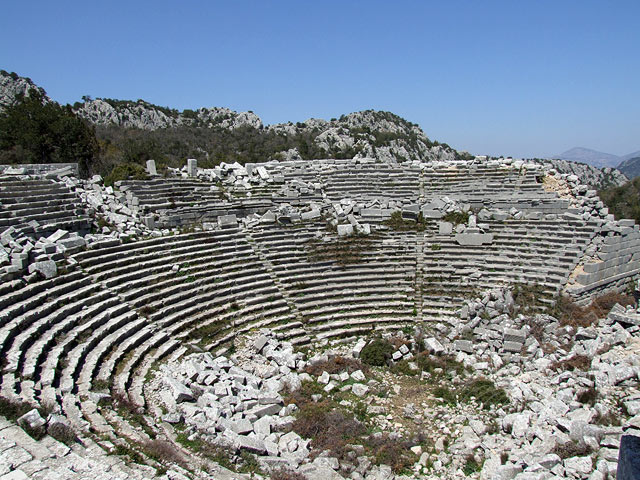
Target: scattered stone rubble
[{"x": 237, "y": 401}]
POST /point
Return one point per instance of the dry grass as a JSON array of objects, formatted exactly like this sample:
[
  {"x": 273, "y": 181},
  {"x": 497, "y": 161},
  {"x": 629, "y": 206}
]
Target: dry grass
[
  {"x": 571, "y": 314},
  {"x": 392, "y": 452},
  {"x": 335, "y": 365},
  {"x": 286, "y": 474},
  {"x": 571, "y": 449},
  {"x": 577, "y": 362}
]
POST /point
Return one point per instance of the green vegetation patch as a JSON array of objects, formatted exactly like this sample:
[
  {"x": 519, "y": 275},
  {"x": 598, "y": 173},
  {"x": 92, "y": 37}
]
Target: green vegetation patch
[{"x": 400, "y": 224}]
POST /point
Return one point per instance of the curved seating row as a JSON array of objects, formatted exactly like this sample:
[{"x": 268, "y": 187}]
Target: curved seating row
[{"x": 38, "y": 207}]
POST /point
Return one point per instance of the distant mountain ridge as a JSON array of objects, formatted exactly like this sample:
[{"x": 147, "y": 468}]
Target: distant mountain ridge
[{"x": 596, "y": 158}]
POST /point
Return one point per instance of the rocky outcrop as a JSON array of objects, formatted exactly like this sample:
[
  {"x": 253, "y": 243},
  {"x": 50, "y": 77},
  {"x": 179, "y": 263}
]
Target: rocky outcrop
[
  {"x": 12, "y": 85},
  {"x": 145, "y": 116},
  {"x": 370, "y": 134}
]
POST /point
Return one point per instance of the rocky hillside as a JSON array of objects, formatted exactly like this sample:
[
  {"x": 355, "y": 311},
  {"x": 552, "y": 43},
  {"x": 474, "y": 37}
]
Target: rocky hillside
[
  {"x": 134, "y": 131},
  {"x": 598, "y": 178},
  {"x": 146, "y": 116},
  {"x": 372, "y": 134},
  {"x": 12, "y": 85}
]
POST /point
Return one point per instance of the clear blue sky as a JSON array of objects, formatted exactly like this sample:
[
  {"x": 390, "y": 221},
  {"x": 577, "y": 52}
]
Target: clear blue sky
[{"x": 511, "y": 77}]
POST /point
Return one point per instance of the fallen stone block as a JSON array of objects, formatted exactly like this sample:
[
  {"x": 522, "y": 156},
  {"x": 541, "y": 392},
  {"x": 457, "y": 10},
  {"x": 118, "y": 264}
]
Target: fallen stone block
[
  {"x": 511, "y": 335},
  {"x": 46, "y": 268},
  {"x": 32, "y": 423},
  {"x": 465, "y": 346},
  {"x": 227, "y": 221},
  {"x": 433, "y": 346},
  {"x": 359, "y": 390},
  {"x": 57, "y": 235},
  {"x": 60, "y": 428},
  {"x": 181, "y": 393},
  {"x": 345, "y": 230},
  {"x": 513, "y": 347},
  {"x": 260, "y": 343}
]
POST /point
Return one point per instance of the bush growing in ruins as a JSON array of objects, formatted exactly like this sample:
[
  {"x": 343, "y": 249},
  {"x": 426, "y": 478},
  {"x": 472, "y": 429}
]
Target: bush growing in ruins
[
  {"x": 485, "y": 392},
  {"x": 576, "y": 362},
  {"x": 471, "y": 466},
  {"x": 12, "y": 409},
  {"x": 377, "y": 352},
  {"x": 571, "y": 449},
  {"x": 302, "y": 395},
  {"x": 328, "y": 427},
  {"x": 126, "y": 171},
  {"x": 286, "y": 474},
  {"x": 438, "y": 365},
  {"x": 624, "y": 201},
  {"x": 336, "y": 364},
  {"x": 389, "y": 451},
  {"x": 457, "y": 218},
  {"x": 569, "y": 313},
  {"x": 399, "y": 224}
]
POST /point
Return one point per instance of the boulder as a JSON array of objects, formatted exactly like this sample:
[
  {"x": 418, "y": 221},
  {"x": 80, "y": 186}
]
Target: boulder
[
  {"x": 46, "y": 268},
  {"x": 33, "y": 423}
]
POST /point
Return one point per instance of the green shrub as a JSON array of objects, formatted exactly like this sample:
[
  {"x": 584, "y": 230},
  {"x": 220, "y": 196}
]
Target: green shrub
[
  {"x": 399, "y": 224},
  {"x": 13, "y": 409},
  {"x": 486, "y": 392},
  {"x": 328, "y": 427},
  {"x": 402, "y": 368},
  {"x": 447, "y": 395},
  {"x": 457, "y": 218},
  {"x": 588, "y": 396},
  {"x": 471, "y": 466},
  {"x": 429, "y": 363},
  {"x": 376, "y": 352},
  {"x": 126, "y": 171}
]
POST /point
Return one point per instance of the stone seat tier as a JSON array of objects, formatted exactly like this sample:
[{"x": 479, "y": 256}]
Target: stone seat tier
[
  {"x": 139, "y": 253},
  {"x": 21, "y": 296},
  {"x": 182, "y": 300},
  {"x": 134, "y": 373},
  {"x": 43, "y": 301},
  {"x": 60, "y": 215},
  {"x": 144, "y": 283},
  {"x": 91, "y": 258},
  {"x": 35, "y": 194},
  {"x": 105, "y": 370},
  {"x": 35, "y": 356},
  {"x": 83, "y": 367},
  {"x": 65, "y": 373},
  {"x": 29, "y": 333},
  {"x": 189, "y": 260},
  {"x": 236, "y": 272},
  {"x": 365, "y": 329},
  {"x": 49, "y": 371},
  {"x": 10, "y": 286},
  {"x": 15, "y": 209}
]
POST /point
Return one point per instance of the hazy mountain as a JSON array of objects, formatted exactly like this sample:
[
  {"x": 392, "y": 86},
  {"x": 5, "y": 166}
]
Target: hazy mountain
[
  {"x": 590, "y": 157},
  {"x": 631, "y": 166},
  {"x": 630, "y": 156}
]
